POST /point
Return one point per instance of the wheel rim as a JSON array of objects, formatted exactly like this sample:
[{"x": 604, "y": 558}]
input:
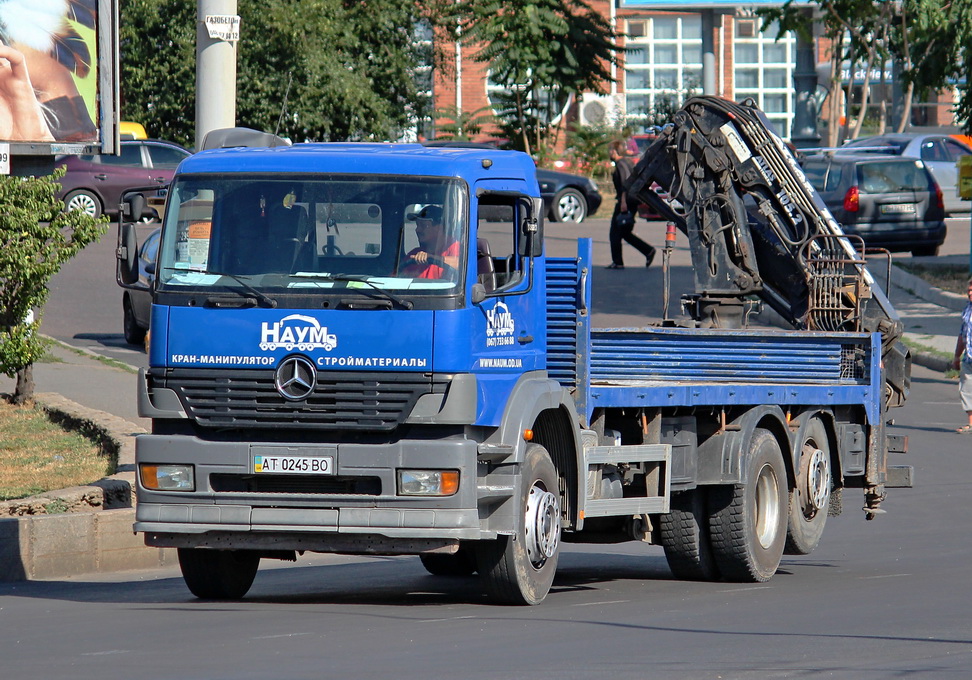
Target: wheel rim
[
  {"x": 767, "y": 506},
  {"x": 818, "y": 481},
  {"x": 84, "y": 203},
  {"x": 570, "y": 208},
  {"x": 542, "y": 525}
]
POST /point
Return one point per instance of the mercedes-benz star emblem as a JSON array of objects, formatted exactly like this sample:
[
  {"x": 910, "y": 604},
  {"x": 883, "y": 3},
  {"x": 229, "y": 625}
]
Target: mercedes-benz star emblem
[{"x": 295, "y": 378}]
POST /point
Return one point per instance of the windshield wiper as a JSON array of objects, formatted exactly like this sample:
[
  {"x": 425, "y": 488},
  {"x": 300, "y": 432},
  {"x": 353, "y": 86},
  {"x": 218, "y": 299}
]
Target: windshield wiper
[
  {"x": 261, "y": 297},
  {"x": 358, "y": 278}
]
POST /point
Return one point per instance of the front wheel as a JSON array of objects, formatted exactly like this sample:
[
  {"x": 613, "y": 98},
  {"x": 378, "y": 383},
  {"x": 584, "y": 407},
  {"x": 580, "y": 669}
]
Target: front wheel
[
  {"x": 520, "y": 569},
  {"x": 134, "y": 334},
  {"x": 218, "y": 574},
  {"x": 569, "y": 205},
  {"x": 747, "y": 522}
]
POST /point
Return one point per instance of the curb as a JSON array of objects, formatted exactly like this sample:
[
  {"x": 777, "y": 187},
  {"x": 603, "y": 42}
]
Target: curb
[
  {"x": 95, "y": 533},
  {"x": 924, "y": 290}
]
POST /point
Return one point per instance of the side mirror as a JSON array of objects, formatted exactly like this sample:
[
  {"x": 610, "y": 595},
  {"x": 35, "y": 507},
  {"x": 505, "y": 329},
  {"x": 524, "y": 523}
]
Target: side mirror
[
  {"x": 126, "y": 254},
  {"x": 134, "y": 207},
  {"x": 531, "y": 241}
]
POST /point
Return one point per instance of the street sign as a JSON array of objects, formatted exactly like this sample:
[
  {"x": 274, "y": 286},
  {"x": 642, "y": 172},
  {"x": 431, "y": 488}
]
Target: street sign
[{"x": 223, "y": 27}]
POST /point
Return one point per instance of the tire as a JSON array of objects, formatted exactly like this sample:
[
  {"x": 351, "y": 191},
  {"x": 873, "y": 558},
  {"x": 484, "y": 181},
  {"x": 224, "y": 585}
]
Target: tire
[
  {"x": 809, "y": 502},
  {"x": 569, "y": 205},
  {"x": 747, "y": 522},
  {"x": 134, "y": 334},
  {"x": 925, "y": 251},
  {"x": 520, "y": 569},
  {"x": 218, "y": 574},
  {"x": 85, "y": 201},
  {"x": 684, "y": 535},
  {"x": 461, "y": 563}
]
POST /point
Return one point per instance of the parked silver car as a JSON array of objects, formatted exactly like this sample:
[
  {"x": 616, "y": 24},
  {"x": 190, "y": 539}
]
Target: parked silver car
[{"x": 940, "y": 152}]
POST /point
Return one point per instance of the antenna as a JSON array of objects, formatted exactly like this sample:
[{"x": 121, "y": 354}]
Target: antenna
[{"x": 283, "y": 107}]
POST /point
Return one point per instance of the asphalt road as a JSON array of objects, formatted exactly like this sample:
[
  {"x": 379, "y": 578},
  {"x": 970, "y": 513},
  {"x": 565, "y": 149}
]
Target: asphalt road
[{"x": 880, "y": 599}]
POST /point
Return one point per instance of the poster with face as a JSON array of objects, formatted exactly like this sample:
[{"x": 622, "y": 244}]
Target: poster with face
[{"x": 48, "y": 70}]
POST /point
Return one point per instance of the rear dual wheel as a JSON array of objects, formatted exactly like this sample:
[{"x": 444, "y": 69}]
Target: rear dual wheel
[
  {"x": 684, "y": 533},
  {"x": 809, "y": 502},
  {"x": 748, "y": 522}
]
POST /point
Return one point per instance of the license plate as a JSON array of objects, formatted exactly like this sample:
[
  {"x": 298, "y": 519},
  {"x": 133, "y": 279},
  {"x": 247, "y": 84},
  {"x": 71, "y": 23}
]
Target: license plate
[
  {"x": 898, "y": 208},
  {"x": 294, "y": 465}
]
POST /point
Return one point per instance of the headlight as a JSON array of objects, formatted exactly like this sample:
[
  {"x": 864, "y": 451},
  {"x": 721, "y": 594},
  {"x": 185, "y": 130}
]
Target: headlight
[
  {"x": 428, "y": 482},
  {"x": 167, "y": 477}
]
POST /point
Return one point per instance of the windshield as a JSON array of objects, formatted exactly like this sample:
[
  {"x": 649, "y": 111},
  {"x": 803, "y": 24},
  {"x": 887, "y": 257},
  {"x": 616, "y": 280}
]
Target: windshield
[{"x": 279, "y": 234}]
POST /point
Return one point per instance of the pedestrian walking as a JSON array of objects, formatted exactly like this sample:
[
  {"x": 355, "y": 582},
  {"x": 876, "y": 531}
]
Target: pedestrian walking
[
  {"x": 963, "y": 361},
  {"x": 623, "y": 219}
]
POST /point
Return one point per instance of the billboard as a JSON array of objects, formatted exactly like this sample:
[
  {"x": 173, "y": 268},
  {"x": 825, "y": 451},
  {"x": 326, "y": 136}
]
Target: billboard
[{"x": 58, "y": 76}]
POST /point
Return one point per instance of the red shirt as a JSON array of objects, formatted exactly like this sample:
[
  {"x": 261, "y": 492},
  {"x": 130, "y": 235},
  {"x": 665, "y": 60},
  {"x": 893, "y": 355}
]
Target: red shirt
[{"x": 429, "y": 270}]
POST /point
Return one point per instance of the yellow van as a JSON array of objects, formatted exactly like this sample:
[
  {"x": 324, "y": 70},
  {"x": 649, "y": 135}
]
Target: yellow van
[{"x": 130, "y": 130}]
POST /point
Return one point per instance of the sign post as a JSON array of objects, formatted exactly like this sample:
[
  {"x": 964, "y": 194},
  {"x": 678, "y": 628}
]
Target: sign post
[{"x": 217, "y": 34}]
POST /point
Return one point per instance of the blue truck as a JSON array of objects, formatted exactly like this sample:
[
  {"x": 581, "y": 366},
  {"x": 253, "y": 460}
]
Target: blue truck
[{"x": 364, "y": 349}]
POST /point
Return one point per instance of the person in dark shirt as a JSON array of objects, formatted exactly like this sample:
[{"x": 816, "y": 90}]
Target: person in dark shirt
[{"x": 625, "y": 209}]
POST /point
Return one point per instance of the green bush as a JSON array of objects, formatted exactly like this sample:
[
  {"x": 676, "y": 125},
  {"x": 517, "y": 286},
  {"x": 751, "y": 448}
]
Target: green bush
[{"x": 36, "y": 238}]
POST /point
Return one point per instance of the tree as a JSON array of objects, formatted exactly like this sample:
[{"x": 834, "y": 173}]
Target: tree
[
  {"x": 462, "y": 125},
  {"x": 936, "y": 36},
  {"x": 923, "y": 36},
  {"x": 157, "y": 44},
  {"x": 541, "y": 51},
  {"x": 346, "y": 68},
  {"x": 36, "y": 238}
]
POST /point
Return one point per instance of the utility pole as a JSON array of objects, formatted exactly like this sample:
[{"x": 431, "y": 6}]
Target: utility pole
[{"x": 217, "y": 34}]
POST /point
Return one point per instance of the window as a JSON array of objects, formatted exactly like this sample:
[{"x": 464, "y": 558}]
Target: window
[
  {"x": 165, "y": 156},
  {"x": 301, "y": 234},
  {"x": 664, "y": 68},
  {"x": 763, "y": 70},
  {"x": 131, "y": 154},
  {"x": 500, "y": 217},
  {"x": 954, "y": 150}
]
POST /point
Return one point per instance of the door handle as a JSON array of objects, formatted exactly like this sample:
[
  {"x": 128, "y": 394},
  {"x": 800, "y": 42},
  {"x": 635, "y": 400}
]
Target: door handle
[{"x": 101, "y": 176}]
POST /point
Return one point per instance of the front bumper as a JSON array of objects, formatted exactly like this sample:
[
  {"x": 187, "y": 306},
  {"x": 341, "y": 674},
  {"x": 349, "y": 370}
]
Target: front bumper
[{"x": 308, "y": 517}]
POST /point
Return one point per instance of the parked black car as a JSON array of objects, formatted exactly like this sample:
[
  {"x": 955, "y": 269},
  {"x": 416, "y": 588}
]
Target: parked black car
[
  {"x": 889, "y": 201},
  {"x": 137, "y": 297},
  {"x": 567, "y": 197}
]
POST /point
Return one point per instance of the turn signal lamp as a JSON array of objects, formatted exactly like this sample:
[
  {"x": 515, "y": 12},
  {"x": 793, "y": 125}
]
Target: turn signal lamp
[
  {"x": 428, "y": 482},
  {"x": 167, "y": 477}
]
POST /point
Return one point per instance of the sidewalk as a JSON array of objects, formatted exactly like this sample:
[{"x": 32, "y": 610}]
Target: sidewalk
[{"x": 82, "y": 388}]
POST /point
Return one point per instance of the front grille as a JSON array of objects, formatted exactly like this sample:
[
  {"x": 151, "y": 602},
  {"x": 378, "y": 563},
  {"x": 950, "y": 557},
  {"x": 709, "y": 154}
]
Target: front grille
[
  {"x": 347, "y": 401},
  {"x": 302, "y": 484}
]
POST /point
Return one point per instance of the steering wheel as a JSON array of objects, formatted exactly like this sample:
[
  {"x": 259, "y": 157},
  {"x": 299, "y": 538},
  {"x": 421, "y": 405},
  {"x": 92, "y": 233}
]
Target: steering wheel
[{"x": 437, "y": 260}]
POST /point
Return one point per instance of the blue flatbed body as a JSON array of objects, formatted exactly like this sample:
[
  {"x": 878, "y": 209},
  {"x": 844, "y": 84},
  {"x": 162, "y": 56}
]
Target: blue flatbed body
[{"x": 664, "y": 367}]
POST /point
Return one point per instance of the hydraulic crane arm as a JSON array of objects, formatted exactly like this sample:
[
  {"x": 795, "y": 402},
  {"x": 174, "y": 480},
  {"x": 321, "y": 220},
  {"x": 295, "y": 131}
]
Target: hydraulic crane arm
[{"x": 757, "y": 227}]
